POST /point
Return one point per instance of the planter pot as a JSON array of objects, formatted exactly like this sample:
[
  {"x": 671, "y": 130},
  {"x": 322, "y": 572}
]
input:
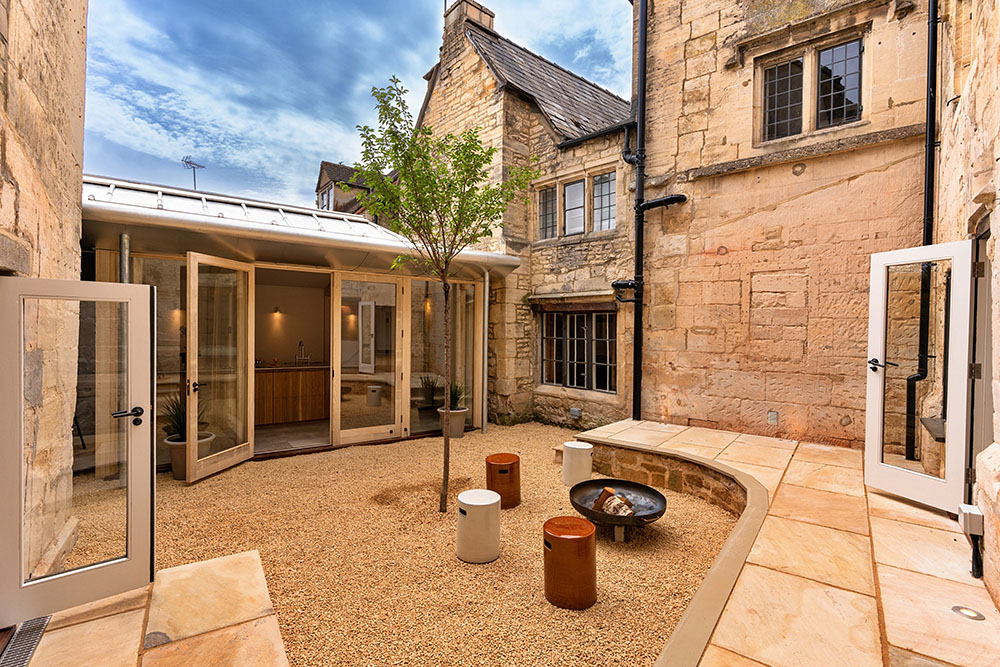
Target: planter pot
[
  {"x": 457, "y": 421},
  {"x": 178, "y": 452}
]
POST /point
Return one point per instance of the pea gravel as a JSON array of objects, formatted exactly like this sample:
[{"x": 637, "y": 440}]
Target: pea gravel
[{"x": 362, "y": 567}]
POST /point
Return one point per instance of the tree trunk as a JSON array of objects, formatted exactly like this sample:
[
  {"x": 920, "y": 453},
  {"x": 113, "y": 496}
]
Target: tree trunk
[{"x": 446, "y": 288}]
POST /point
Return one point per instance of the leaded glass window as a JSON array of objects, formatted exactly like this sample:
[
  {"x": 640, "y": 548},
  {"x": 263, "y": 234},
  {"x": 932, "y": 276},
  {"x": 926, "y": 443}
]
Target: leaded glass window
[
  {"x": 604, "y": 201},
  {"x": 839, "y": 84},
  {"x": 783, "y": 100},
  {"x": 547, "y": 213}
]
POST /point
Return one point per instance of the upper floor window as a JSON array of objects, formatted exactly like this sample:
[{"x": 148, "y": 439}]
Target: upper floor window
[
  {"x": 579, "y": 350},
  {"x": 783, "y": 100},
  {"x": 573, "y": 208},
  {"x": 810, "y": 88},
  {"x": 604, "y": 201},
  {"x": 839, "y": 78},
  {"x": 547, "y": 213},
  {"x": 324, "y": 199}
]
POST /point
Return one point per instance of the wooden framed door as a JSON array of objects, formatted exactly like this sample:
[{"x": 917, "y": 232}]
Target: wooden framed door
[
  {"x": 918, "y": 390},
  {"x": 77, "y": 419},
  {"x": 220, "y": 369},
  {"x": 368, "y": 371}
]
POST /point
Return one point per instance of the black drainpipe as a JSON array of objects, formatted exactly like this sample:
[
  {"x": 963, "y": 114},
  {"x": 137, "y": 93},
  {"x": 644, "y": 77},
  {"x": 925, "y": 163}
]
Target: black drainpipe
[
  {"x": 638, "y": 159},
  {"x": 930, "y": 143}
]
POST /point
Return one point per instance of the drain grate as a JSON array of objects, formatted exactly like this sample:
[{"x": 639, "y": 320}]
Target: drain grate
[{"x": 24, "y": 642}]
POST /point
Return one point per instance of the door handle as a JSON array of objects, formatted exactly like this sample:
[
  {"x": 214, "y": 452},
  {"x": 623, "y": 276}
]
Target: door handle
[
  {"x": 196, "y": 385},
  {"x": 136, "y": 414},
  {"x": 874, "y": 364}
]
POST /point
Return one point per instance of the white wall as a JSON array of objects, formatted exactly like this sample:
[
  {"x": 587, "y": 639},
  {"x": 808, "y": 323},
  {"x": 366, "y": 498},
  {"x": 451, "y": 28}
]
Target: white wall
[{"x": 305, "y": 316}]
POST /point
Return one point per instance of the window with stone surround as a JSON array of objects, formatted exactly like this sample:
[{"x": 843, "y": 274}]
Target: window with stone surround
[
  {"x": 573, "y": 208},
  {"x": 604, "y": 201},
  {"x": 324, "y": 199},
  {"x": 810, "y": 87},
  {"x": 547, "y": 217},
  {"x": 579, "y": 350}
]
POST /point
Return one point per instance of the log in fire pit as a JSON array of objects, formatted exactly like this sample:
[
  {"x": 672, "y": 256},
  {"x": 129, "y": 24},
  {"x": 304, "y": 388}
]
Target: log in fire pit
[{"x": 648, "y": 504}]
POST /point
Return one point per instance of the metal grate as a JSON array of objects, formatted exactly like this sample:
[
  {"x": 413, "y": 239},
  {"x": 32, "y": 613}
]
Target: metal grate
[
  {"x": 24, "y": 642},
  {"x": 783, "y": 100},
  {"x": 839, "y": 84}
]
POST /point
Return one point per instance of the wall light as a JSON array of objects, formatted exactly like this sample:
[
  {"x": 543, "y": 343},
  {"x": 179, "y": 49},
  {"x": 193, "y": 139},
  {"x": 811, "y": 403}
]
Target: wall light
[{"x": 277, "y": 310}]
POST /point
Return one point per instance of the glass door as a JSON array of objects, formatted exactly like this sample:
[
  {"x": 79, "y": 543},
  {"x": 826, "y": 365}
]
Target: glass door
[
  {"x": 367, "y": 359},
  {"x": 77, "y": 419},
  {"x": 919, "y": 343},
  {"x": 220, "y": 347}
]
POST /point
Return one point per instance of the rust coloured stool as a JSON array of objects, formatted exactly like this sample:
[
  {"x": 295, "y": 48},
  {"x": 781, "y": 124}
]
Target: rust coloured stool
[
  {"x": 503, "y": 475},
  {"x": 570, "y": 562}
]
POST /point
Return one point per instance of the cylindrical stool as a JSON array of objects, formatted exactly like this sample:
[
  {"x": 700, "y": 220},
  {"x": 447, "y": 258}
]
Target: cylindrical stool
[
  {"x": 478, "y": 536},
  {"x": 503, "y": 475},
  {"x": 570, "y": 562},
  {"x": 577, "y": 460}
]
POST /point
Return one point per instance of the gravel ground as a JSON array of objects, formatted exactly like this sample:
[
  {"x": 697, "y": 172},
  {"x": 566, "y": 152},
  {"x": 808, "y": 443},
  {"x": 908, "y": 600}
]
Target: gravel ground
[
  {"x": 100, "y": 506},
  {"x": 362, "y": 567}
]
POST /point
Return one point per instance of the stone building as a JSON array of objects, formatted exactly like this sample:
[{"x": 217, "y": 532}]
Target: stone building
[
  {"x": 330, "y": 192},
  {"x": 41, "y": 131}
]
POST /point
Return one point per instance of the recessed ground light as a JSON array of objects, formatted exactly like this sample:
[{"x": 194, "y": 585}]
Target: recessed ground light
[{"x": 968, "y": 613}]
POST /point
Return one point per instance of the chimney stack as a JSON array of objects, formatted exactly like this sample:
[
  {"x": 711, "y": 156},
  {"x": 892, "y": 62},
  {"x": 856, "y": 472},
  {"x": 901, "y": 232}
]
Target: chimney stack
[{"x": 462, "y": 10}]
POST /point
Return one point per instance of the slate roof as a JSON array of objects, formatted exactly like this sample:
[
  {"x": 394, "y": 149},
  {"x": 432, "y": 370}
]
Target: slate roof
[
  {"x": 336, "y": 173},
  {"x": 575, "y": 107}
]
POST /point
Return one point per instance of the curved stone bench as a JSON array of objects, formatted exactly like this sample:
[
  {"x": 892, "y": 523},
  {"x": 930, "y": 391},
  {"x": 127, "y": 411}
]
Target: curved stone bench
[{"x": 733, "y": 490}]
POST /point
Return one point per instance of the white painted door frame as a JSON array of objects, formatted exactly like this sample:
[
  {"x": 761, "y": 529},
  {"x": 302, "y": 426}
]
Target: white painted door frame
[{"x": 945, "y": 493}]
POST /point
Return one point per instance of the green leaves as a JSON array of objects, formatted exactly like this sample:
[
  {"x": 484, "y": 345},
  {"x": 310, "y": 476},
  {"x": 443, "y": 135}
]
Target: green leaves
[{"x": 434, "y": 190}]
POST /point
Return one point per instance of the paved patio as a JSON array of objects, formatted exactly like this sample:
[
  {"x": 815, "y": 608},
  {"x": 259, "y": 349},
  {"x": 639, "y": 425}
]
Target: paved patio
[{"x": 839, "y": 574}]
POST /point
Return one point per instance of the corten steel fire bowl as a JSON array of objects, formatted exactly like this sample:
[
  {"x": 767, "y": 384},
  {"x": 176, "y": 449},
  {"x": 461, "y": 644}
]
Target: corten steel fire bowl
[{"x": 647, "y": 503}]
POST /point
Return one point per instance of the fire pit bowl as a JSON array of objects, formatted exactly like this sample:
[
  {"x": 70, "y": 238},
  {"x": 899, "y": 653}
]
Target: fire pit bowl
[{"x": 647, "y": 503}]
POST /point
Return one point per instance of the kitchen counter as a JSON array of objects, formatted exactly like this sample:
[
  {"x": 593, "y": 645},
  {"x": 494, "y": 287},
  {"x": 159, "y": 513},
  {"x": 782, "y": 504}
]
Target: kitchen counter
[
  {"x": 308, "y": 367},
  {"x": 286, "y": 394}
]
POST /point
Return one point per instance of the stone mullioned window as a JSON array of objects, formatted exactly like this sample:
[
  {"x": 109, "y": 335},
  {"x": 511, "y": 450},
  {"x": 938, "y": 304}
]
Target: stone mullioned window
[{"x": 579, "y": 350}]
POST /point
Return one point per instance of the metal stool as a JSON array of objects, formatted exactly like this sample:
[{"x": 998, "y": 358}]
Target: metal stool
[
  {"x": 478, "y": 534},
  {"x": 577, "y": 461},
  {"x": 503, "y": 475},
  {"x": 570, "y": 562}
]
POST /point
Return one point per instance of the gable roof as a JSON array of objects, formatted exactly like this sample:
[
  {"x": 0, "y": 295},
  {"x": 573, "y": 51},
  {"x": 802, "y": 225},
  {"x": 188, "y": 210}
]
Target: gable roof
[
  {"x": 574, "y": 106},
  {"x": 336, "y": 173}
]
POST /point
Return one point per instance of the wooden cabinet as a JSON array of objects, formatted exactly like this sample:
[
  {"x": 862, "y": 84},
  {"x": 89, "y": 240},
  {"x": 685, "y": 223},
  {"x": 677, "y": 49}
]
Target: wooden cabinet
[{"x": 291, "y": 395}]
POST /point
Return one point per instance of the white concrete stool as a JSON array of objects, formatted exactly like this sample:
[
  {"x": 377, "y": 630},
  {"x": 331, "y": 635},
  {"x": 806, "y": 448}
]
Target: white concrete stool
[
  {"x": 478, "y": 539},
  {"x": 578, "y": 457}
]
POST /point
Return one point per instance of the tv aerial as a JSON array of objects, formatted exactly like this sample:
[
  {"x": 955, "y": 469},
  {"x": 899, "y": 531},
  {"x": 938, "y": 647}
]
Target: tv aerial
[{"x": 194, "y": 167}]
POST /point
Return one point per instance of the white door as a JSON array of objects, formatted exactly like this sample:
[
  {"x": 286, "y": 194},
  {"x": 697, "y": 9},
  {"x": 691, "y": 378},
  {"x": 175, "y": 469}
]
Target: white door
[
  {"x": 366, "y": 337},
  {"x": 919, "y": 343},
  {"x": 76, "y": 468}
]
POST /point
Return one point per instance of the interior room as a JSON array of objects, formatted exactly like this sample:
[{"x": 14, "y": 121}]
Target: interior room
[{"x": 291, "y": 360}]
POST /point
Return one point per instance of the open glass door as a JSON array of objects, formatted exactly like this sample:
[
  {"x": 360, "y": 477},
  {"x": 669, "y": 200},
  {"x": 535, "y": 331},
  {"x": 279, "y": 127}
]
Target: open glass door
[
  {"x": 367, "y": 359},
  {"x": 919, "y": 345},
  {"x": 219, "y": 364},
  {"x": 76, "y": 470}
]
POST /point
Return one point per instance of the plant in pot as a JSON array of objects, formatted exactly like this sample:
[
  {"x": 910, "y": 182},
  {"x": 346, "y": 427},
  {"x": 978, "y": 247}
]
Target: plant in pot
[
  {"x": 458, "y": 411},
  {"x": 175, "y": 426},
  {"x": 428, "y": 387}
]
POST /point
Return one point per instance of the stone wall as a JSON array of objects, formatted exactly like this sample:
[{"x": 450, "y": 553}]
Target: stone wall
[
  {"x": 757, "y": 288},
  {"x": 969, "y": 184},
  {"x": 43, "y": 46}
]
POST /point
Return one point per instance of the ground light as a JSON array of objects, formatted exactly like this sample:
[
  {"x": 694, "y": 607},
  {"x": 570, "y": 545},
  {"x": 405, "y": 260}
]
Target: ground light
[{"x": 968, "y": 613}]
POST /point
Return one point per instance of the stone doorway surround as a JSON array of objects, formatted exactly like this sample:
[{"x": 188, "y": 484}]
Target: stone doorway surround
[
  {"x": 214, "y": 612},
  {"x": 838, "y": 573}
]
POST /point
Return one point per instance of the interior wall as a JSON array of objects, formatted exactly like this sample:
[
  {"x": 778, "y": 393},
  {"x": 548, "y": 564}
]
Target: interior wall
[{"x": 304, "y": 316}]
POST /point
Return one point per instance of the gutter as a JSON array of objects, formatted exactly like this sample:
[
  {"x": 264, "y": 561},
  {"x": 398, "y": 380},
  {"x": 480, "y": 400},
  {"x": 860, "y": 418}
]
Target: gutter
[{"x": 570, "y": 143}]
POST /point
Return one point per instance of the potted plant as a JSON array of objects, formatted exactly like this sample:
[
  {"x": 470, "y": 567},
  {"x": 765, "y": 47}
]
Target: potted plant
[
  {"x": 428, "y": 387},
  {"x": 457, "y": 425},
  {"x": 175, "y": 426}
]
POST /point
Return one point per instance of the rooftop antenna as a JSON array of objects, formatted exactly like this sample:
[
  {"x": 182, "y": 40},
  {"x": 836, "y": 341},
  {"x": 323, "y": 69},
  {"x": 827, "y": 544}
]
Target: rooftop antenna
[{"x": 194, "y": 167}]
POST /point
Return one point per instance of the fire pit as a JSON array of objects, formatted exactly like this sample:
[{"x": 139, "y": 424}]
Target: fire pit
[{"x": 648, "y": 504}]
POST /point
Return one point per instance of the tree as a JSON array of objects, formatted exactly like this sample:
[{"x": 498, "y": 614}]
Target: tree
[{"x": 435, "y": 191}]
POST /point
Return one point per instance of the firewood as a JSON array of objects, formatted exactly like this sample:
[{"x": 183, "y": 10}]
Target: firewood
[{"x": 606, "y": 492}]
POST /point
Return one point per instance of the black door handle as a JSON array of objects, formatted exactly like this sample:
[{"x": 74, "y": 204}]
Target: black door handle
[
  {"x": 136, "y": 413},
  {"x": 874, "y": 364},
  {"x": 196, "y": 385}
]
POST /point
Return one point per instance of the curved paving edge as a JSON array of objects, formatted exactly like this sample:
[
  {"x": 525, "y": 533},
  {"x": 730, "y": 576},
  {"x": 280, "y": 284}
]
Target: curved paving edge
[{"x": 690, "y": 638}]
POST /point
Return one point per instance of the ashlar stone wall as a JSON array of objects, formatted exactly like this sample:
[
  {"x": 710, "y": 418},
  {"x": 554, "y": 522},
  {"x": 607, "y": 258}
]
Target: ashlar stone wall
[{"x": 757, "y": 288}]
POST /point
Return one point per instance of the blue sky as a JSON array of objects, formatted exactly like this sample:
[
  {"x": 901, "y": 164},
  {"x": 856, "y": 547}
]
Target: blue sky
[{"x": 259, "y": 92}]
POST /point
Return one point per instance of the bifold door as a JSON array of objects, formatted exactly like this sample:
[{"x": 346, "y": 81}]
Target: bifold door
[
  {"x": 76, "y": 469},
  {"x": 918, "y": 368}
]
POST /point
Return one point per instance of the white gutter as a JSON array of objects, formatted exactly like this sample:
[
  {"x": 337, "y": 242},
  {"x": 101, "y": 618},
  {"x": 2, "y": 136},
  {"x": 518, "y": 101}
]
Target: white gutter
[{"x": 129, "y": 214}]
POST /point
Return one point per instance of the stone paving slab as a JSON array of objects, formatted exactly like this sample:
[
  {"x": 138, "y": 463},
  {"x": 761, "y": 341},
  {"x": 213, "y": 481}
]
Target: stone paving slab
[{"x": 807, "y": 593}]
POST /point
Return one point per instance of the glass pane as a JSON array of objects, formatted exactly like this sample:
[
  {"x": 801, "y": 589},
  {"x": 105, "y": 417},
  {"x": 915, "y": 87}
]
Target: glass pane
[
  {"x": 915, "y": 390},
  {"x": 75, "y": 374},
  {"x": 222, "y": 359},
  {"x": 367, "y": 354}
]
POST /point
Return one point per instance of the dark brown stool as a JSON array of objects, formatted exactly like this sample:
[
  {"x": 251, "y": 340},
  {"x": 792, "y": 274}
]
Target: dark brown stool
[
  {"x": 570, "y": 562},
  {"x": 503, "y": 475}
]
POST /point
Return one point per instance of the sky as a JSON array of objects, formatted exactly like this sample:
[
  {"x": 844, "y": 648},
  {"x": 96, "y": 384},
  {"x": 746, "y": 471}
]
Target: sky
[{"x": 260, "y": 91}]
